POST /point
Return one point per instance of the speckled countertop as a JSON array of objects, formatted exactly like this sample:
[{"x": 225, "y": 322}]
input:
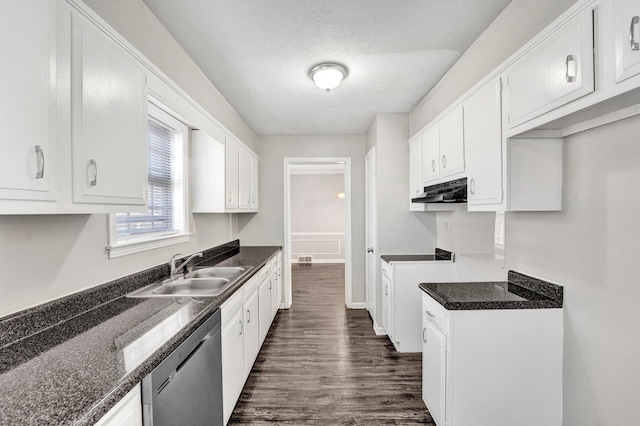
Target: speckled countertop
[
  {"x": 74, "y": 371},
  {"x": 518, "y": 292}
]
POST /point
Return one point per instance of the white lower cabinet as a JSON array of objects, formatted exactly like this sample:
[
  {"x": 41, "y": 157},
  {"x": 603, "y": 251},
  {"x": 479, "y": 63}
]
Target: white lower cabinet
[
  {"x": 127, "y": 412},
  {"x": 246, "y": 318},
  {"x": 387, "y": 310},
  {"x": 233, "y": 367},
  {"x": 499, "y": 367}
]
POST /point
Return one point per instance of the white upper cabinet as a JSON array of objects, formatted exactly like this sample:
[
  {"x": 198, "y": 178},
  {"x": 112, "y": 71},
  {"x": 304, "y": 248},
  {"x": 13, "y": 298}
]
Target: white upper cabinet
[
  {"x": 430, "y": 155},
  {"x": 109, "y": 119},
  {"x": 483, "y": 145},
  {"x": 218, "y": 181},
  {"x": 627, "y": 38},
  {"x": 27, "y": 108},
  {"x": 415, "y": 169},
  {"x": 452, "y": 143},
  {"x": 244, "y": 178},
  {"x": 255, "y": 176},
  {"x": 558, "y": 70},
  {"x": 231, "y": 172}
]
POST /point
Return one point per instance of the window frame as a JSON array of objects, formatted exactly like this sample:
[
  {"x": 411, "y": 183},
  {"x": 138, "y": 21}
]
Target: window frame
[{"x": 142, "y": 242}]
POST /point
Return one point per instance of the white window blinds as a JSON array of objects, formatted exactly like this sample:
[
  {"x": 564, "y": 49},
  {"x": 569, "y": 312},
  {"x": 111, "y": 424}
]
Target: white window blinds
[{"x": 160, "y": 217}]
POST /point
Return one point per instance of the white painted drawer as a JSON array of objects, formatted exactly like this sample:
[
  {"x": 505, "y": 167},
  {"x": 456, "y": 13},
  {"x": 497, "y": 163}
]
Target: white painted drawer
[{"x": 435, "y": 313}]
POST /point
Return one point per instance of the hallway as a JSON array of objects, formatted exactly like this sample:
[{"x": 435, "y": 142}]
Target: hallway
[{"x": 322, "y": 364}]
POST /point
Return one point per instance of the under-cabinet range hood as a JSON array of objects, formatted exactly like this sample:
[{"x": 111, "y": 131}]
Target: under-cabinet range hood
[{"x": 454, "y": 191}]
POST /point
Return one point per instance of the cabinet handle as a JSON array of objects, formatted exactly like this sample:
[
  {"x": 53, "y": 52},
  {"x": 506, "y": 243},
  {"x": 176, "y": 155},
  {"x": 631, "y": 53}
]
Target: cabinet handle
[
  {"x": 229, "y": 196},
  {"x": 472, "y": 186},
  {"x": 94, "y": 181},
  {"x": 632, "y": 33},
  {"x": 572, "y": 66},
  {"x": 430, "y": 314},
  {"x": 40, "y": 153},
  {"x": 241, "y": 327},
  {"x": 433, "y": 165},
  {"x": 386, "y": 290},
  {"x": 444, "y": 162},
  {"x": 248, "y": 315},
  {"x": 424, "y": 334}
]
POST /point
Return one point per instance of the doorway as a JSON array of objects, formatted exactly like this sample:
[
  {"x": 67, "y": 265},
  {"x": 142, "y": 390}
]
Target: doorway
[{"x": 294, "y": 166}]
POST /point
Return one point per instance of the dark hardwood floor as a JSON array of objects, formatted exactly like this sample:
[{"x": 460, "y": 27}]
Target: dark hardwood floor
[{"x": 322, "y": 364}]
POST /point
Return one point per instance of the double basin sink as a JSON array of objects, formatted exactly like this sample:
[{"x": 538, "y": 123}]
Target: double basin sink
[{"x": 204, "y": 281}]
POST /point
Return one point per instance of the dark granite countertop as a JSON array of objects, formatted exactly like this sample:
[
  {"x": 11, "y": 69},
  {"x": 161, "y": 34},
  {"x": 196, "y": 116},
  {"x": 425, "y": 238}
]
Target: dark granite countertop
[
  {"x": 74, "y": 371},
  {"x": 438, "y": 255},
  {"x": 519, "y": 292}
]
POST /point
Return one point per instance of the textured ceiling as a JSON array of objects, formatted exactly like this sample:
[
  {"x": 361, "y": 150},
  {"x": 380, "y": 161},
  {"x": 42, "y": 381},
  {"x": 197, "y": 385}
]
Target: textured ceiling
[{"x": 257, "y": 53}]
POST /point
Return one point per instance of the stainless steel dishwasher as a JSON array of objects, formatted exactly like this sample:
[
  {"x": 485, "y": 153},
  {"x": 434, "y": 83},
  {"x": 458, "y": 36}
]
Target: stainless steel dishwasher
[{"x": 186, "y": 388}]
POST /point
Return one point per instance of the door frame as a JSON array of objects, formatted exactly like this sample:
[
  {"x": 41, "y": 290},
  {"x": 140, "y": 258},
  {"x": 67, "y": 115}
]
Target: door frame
[
  {"x": 348, "y": 268},
  {"x": 370, "y": 231}
]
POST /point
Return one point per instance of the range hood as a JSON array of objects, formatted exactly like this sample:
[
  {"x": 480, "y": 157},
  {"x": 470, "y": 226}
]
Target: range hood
[{"x": 454, "y": 191}]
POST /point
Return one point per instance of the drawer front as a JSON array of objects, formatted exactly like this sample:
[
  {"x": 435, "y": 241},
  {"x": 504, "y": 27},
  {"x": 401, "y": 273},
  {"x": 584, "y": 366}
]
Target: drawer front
[
  {"x": 435, "y": 313},
  {"x": 387, "y": 271}
]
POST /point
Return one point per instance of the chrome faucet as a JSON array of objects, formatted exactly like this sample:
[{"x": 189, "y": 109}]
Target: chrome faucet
[{"x": 175, "y": 269}]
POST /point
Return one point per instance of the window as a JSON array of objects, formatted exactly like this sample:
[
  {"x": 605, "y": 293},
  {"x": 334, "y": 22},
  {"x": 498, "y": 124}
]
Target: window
[{"x": 166, "y": 221}]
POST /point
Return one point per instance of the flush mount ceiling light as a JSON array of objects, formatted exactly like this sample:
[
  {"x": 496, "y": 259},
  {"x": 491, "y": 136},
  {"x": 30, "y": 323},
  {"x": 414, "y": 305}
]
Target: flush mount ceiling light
[
  {"x": 341, "y": 195},
  {"x": 328, "y": 75}
]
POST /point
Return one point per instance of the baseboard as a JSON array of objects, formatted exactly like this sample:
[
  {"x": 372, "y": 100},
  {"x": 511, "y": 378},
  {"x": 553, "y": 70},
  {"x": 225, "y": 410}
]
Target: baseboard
[
  {"x": 380, "y": 331},
  {"x": 319, "y": 261},
  {"x": 359, "y": 305}
]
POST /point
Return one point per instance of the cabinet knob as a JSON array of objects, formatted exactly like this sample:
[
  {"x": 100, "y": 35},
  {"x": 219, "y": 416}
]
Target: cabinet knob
[
  {"x": 444, "y": 162},
  {"x": 572, "y": 67},
  {"x": 94, "y": 166},
  {"x": 632, "y": 33},
  {"x": 40, "y": 171}
]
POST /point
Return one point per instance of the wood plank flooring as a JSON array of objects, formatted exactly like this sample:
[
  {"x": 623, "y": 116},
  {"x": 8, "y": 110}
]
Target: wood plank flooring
[{"x": 322, "y": 364}]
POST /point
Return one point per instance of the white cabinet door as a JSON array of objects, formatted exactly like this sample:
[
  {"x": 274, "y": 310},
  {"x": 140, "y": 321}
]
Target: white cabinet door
[
  {"x": 275, "y": 302},
  {"x": 109, "y": 119},
  {"x": 244, "y": 178},
  {"x": 231, "y": 172},
  {"x": 251, "y": 330},
  {"x": 127, "y": 412},
  {"x": 387, "y": 322},
  {"x": 430, "y": 155},
  {"x": 233, "y": 367},
  {"x": 27, "y": 109},
  {"x": 265, "y": 307},
  {"x": 483, "y": 145},
  {"x": 279, "y": 281},
  {"x": 627, "y": 38},
  {"x": 207, "y": 171},
  {"x": 557, "y": 71},
  {"x": 255, "y": 161},
  {"x": 452, "y": 143},
  {"x": 434, "y": 371},
  {"x": 415, "y": 167}
]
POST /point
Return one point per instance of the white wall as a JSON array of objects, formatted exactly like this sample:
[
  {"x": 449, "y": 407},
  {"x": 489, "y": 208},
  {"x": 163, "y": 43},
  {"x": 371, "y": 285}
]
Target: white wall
[
  {"x": 267, "y": 226},
  {"x": 46, "y": 257},
  {"x": 592, "y": 248},
  {"x": 399, "y": 230},
  {"x": 317, "y": 216}
]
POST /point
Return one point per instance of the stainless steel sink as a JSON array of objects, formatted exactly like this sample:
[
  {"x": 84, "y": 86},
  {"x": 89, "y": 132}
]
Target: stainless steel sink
[
  {"x": 202, "y": 282},
  {"x": 217, "y": 272}
]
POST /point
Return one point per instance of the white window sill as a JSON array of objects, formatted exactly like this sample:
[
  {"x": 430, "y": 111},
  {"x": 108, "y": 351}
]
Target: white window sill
[{"x": 124, "y": 249}]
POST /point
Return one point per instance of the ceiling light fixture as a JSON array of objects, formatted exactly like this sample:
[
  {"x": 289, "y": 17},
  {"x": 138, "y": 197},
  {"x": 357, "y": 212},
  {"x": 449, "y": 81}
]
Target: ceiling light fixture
[
  {"x": 328, "y": 75},
  {"x": 341, "y": 195}
]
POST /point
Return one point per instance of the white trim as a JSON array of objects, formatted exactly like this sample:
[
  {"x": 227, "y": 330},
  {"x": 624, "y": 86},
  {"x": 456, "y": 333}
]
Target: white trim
[
  {"x": 319, "y": 261},
  {"x": 137, "y": 247},
  {"x": 359, "y": 305},
  {"x": 287, "y": 163},
  {"x": 379, "y": 330},
  {"x": 371, "y": 175},
  {"x": 316, "y": 233}
]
